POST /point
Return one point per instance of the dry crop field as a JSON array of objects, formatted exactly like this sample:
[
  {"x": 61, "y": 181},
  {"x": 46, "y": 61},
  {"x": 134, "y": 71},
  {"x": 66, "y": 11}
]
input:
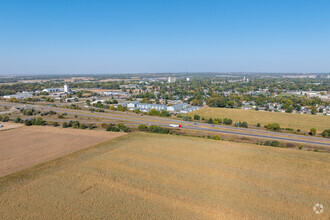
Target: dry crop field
[
  {"x": 152, "y": 176},
  {"x": 27, "y": 146},
  {"x": 252, "y": 117}
]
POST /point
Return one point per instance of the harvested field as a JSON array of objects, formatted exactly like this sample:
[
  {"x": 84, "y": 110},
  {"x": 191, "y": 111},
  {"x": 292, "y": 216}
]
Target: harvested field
[
  {"x": 252, "y": 117},
  {"x": 27, "y": 146},
  {"x": 151, "y": 176}
]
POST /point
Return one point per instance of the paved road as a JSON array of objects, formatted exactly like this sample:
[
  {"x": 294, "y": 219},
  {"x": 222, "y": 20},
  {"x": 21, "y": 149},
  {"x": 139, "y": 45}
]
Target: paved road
[{"x": 130, "y": 118}]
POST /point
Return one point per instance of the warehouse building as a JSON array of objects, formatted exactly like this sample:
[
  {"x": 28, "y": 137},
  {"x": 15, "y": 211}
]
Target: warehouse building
[
  {"x": 23, "y": 95},
  {"x": 148, "y": 107},
  {"x": 177, "y": 107}
]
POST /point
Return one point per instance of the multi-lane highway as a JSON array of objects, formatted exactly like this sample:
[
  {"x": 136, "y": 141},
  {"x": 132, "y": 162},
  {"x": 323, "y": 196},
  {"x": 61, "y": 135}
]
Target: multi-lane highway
[{"x": 132, "y": 118}]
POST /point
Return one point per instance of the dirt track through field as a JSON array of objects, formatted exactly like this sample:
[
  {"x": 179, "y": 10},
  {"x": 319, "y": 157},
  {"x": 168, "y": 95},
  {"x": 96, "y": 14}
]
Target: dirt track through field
[
  {"x": 150, "y": 176},
  {"x": 27, "y": 146}
]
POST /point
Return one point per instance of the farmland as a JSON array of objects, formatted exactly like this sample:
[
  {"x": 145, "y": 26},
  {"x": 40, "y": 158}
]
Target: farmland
[
  {"x": 154, "y": 176},
  {"x": 286, "y": 120},
  {"x": 27, "y": 146}
]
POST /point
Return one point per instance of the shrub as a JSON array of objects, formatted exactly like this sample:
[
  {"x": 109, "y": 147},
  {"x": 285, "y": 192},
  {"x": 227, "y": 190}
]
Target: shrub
[
  {"x": 65, "y": 125},
  {"x": 326, "y": 133},
  {"x": 197, "y": 117},
  {"x": 75, "y": 124},
  {"x": 82, "y": 126},
  {"x": 187, "y": 118},
  {"x": 40, "y": 121},
  {"x": 165, "y": 113},
  {"x": 273, "y": 127},
  {"x": 5, "y": 118},
  {"x": 275, "y": 143},
  {"x": 33, "y": 121},
  {"x": 143, "y": 128},
  {"x": 268, "y": 143},
  {"x": 216, "y": 137},
  {"x": 158, "y": 129},
  {"x": 90, "y": 126},
  {"x": 210, "y": 121},
  {"x": 55, "y": 124},
  {"x": 244, "y": 124},
  {"x": 218, "y": 120},
  {"x": 258, "y": 125},
  {"x": 126, "y": 129},
  {"x": 123, "y": 127},
  {"x": 115, "y": 129},
  {"x": 18, "y": 120},
  {"x": 27, "y": 123},
  {"x": 109, "y": 127},
  {"x": 227, "y": 121}
]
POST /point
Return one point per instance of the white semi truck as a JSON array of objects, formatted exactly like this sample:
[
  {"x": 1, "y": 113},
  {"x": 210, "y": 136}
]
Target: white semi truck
[{"x": 175, "y": 126}]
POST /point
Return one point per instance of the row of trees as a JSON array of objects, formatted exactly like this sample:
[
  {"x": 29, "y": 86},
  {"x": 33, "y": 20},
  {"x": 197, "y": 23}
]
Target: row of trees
[
  {"x": 154, "y": 129},
  {"x": 117, "y": 128}
]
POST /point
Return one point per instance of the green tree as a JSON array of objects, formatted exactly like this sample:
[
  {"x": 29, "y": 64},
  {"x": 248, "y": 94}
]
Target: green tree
[
  {"x": 18, "y": 120},
  {"x": 312, "y": 131},
  {"x": 197, "y": 117},
  {"x": 314, "y": 110},
  {"x": 227, "y": 121},
  {"x": 326, "y": 133}
]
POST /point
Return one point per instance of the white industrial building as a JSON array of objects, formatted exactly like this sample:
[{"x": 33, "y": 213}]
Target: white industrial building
[
  {"x": 171, "y": 79},
  {"x": 145, "y": 106},
  {"x": 116, "y": 94},
  {"x": 97, "y": 101},
  {"x": 23, "y": 95},
  {"x": 187, "y": 110},
  {"x": 173, "y": 108},
  {"x": 177, "y": 107},
  {"x": 66, "y": 88},
  {"x": 52, "y": 90},
  {"x": 148, "y": 107}
]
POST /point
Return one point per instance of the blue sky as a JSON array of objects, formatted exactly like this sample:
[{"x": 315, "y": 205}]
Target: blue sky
[{"x": 43, "y": 36}]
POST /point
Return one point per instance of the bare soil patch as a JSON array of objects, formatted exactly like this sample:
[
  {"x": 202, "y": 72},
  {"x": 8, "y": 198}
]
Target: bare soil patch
[
  {"x": 7, "y": 126},
  {"x": 27, "y": 146}
]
